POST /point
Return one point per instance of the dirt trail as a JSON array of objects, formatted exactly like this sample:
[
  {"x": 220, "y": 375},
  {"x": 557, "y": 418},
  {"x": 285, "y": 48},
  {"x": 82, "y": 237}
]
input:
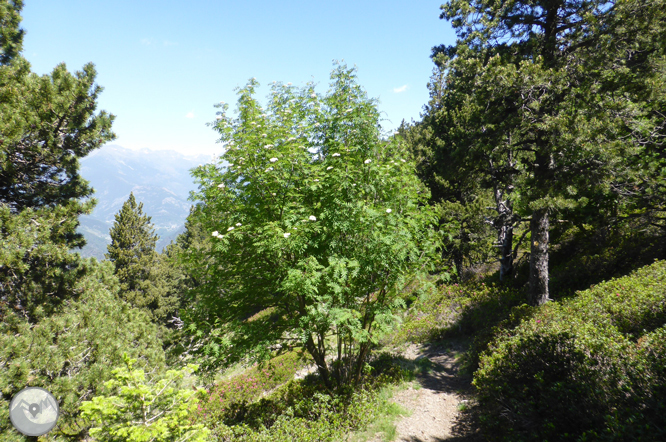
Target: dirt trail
[{"x": 434, "y": 406}]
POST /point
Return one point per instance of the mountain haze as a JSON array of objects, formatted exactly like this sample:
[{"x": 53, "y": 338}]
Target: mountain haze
[{"x": 159, "y": 179}]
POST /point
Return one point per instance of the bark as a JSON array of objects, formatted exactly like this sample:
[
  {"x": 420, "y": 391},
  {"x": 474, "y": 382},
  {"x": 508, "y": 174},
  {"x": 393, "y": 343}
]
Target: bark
[
  {"x": 320, "y": 360},
  {"x": 506, "y": 260},
  {"x": 538, "y": 281}
]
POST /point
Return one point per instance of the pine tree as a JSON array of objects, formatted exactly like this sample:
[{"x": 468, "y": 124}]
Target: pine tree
[
  {"x": 46, "y": 124},
  {"x": 144, "y": 274},
  {"x": 132, "y": 250},
  {"x": 533, "y": 87}
]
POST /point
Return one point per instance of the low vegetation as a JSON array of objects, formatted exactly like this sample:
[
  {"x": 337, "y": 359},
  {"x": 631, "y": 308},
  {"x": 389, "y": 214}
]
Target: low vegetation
[{"x": 326, "y": 246}]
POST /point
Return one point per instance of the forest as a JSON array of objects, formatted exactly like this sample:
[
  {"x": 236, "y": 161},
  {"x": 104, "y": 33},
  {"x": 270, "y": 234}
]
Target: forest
[{"x": 519, "y": 225}]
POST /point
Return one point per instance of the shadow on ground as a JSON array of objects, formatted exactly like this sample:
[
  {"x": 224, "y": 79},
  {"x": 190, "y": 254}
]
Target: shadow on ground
[{"x": 437, "y": 367}]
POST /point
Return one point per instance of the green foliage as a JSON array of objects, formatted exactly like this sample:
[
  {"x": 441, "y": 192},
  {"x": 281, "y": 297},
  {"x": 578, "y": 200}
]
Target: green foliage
[
  {"x": 457, "y": 310},
  {"x": 72, "y": 352},
  {"x": 588, "y": 366},
  {"x": 316, "y": 217},
  {"x": 37, "y": 272},
  {"x": 298, "y": 410},
  {"x": 11, "y": 36},
  {"x": 252, "y": 384},
  {"x": 140, "y": 411},
  {"x": 147, "y": 278},
  {"x": 46, "y": 124}
]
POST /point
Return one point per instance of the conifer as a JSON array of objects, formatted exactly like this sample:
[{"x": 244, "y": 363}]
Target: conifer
[
  {"x": 145, "y": 276},
  {"x": 47, "y": 123}
]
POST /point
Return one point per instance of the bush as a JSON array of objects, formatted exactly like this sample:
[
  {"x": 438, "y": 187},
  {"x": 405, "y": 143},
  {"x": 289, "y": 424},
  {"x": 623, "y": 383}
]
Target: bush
[
  {"x": 465, "y": 309},
  {"x": 581, "y": 369},
  {"x": 140, "y": 412},
  {"x": 303, "y": 410},
  {"x": 72, "y": 352}
]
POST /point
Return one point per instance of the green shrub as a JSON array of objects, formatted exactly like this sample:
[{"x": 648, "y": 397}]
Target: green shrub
[
  {"x": 457, "y": 310},
  {"x": 72, "y": 352},
  {"x": 580, "y": 369},
  {"x": 303, "y": 410},
  {"x": 643, "y": 418},
  {"x": 138, "y": 412}
]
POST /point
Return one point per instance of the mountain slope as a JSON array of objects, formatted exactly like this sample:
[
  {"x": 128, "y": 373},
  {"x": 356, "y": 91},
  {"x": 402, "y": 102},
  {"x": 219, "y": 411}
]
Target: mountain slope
[{"x": 159, "y": 179}]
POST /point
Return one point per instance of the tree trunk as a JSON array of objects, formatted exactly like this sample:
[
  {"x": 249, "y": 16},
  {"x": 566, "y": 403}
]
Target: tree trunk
[
  {"x": 320, "y": 360},
  {"x": 506, "y": 261},
  {"x": 538, "y": 282}
]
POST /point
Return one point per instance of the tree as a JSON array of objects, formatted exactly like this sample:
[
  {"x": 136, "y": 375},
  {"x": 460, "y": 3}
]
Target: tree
[
  {"x": 531, "y": 63},
  {"x": 142, "y": 272},
  {"x": 457, "y": 196},
  {"x": 637, "y": 51},
  {"x": 72, "y": 352},
  {"x": 318, "y": 223},
  {"x": 46, "y": 124},
  {"x": 11, "y": 36}
]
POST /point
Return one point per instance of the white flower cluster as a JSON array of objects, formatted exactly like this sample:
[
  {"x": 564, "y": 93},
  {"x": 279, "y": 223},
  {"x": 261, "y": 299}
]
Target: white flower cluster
[
  {"x": 336, "y": 154},
  {"x": 269, "y": 169},
  {"x": 238, "y": 224},
  {"x": 230, "y": 229},
  {"x": 268, "y": 146},
  {"x": 286, "y": 235},
  {"x": 367, "y": 161},
  {"x": 313, "y": 218},
  {"x": 329, "y": 168},
  {"x": 388, "y": 210},
  {"x": 272, "y": 160},
  {"x": 221, "y": 186}
]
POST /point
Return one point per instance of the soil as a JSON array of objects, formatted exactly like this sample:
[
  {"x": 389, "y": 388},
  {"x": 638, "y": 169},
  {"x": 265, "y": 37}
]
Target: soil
[{"x": 435, "y": 406}]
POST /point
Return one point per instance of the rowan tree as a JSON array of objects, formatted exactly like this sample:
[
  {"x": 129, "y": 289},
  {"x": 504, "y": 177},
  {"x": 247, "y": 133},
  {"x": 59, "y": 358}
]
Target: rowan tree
[{"x": 317, "y": 224}]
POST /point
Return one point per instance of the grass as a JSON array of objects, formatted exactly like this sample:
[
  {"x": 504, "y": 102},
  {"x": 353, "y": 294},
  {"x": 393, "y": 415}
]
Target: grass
[{"x": 387, "y": 413}]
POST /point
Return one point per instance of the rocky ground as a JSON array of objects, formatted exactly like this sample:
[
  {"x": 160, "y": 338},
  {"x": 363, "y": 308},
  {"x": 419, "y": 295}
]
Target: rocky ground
[{"x": 434, "y": 407}]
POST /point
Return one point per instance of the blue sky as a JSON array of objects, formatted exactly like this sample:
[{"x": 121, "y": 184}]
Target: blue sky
[{"x": 164, "y": 64}]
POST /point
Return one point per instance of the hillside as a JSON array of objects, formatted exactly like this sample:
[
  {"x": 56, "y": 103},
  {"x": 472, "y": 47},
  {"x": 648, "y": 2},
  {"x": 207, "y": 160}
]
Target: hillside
[{"x": 159, "y": 179}]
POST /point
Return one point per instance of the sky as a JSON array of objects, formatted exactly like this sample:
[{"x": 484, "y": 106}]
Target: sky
[{"x": 164, "y": 64}]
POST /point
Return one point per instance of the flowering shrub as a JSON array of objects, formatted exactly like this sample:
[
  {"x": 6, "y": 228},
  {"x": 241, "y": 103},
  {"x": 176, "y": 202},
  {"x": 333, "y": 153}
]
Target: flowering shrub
[{"x": 327, "y": 241}]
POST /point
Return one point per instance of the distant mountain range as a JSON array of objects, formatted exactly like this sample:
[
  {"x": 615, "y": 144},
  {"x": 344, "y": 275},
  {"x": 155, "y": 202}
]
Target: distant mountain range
[{"x": 159, "y": 179}]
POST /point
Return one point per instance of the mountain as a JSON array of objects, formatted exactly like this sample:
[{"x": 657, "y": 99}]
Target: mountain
[{"x": 159, "y": 179}]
